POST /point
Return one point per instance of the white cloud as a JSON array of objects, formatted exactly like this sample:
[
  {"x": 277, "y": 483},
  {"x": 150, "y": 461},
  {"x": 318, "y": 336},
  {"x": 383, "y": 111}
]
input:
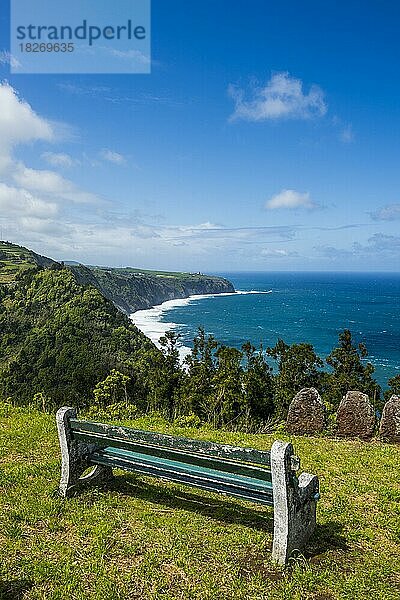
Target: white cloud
[
  {"x": 6, "y": 58},
  {"x": 378, "y": 247},
  {"x": 15, "y": 201},
  {"x": 390, "y": 212},
  {"x": 282, "y": 97},
  {"x": 113, "y": 157},
  {"x": 132, "y": 55},
  {"x": 276, "y": 253},
  {"x": 290, "y": 199},
  {"x": 48, "y": 227},
  {"x": 59, "y": 159},
  {"x": 346, "y": 135},
  {"x": 380, "y": 243},
  {"x": 51, "y": 183},
  {"x": 18, "y": 122},
  {"x": 36, "y": 194}
]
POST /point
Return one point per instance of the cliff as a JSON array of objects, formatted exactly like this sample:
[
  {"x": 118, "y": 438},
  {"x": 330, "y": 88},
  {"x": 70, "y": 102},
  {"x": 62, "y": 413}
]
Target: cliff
[
  {"x": 132, "y": 289},
  {"x": 128, "y": 288}
]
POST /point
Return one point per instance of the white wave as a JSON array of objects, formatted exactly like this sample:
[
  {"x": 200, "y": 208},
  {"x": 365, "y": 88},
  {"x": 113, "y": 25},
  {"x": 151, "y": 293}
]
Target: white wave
[
  {"x": 252, "y": 292},
  {"x": 149, "y": 320}
]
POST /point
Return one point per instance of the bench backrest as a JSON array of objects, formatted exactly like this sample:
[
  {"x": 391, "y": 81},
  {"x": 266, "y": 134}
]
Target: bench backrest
[{"x": 243, "y": 461}]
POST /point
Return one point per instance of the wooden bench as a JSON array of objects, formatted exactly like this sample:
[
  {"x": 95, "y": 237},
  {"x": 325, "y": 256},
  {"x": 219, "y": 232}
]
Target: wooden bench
[{"x": 263, "y": 477}]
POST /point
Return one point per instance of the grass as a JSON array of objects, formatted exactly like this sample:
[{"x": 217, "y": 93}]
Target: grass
[
  {"x": 13, "y": 260},
  {"x": 131, "y": 270},
  {"x": 9, "y": 270},
  {"x": 142, "y": 538}
]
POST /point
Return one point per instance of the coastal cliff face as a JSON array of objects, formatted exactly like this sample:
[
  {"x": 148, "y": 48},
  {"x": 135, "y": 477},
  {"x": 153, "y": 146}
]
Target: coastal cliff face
[
  {"x": 128, "y": 288},
  {"x": 132, "y": 290}
]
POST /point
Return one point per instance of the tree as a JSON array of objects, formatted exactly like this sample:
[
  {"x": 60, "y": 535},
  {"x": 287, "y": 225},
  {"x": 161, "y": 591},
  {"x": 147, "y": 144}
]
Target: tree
[
  {"x": 349, "y": 371},
  {"x": 394, "y": 387},
  {"x": 113, "y": 390},
  {"x": 171, "y": 375},
  {"x": 298, "y": 366},
  {"x": 201, "y": 369},
  {"x": 62, "y": 338},
  {"x": 227, "y": 403},
  {"x": 258, "y": 384}
]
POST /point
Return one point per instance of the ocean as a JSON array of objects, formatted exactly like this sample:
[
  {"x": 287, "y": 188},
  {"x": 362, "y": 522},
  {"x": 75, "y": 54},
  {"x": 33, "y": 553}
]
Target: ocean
[{"x": 297, "y": 307}]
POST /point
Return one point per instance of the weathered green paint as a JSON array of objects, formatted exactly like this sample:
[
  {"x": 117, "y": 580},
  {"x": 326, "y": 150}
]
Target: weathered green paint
[
  {"x": 210, "y": 462},
  {"x": 254, "y": 490},
  {"x": 150, "y": 438}
]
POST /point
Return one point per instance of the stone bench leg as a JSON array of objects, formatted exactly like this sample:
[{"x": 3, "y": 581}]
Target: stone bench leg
[
  {"x": 75, "y": 456},
  {"x": 294, "y": 503}
]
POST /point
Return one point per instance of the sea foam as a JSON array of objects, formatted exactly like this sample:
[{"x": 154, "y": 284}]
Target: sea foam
[{"x": 149, "y": 320}]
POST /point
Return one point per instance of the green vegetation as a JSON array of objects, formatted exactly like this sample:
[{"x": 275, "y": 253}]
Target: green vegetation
[
  {"x": 394, "y": 387},
  {"x": 16, "y": 259},
  {"x": 63, "y": 342},
  {"x": 142, "y": 538},
  {"x": 59, "y": 339},
  {"x": 135, "y": 289}
]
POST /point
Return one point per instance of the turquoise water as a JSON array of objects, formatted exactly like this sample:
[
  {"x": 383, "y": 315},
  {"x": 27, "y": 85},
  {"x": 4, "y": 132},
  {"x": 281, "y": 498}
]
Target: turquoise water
[{"x": 303, "y": 307}]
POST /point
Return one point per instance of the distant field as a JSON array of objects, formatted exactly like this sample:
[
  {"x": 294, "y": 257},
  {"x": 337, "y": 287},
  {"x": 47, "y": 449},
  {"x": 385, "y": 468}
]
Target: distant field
[
  {"x": 14, "y": 259},
  {"x": 142, "y": 538},
  {"x": 128, "y": 270},
  {"x": 9, "y": 269}
]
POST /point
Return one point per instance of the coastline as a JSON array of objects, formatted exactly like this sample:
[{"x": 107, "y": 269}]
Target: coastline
[{"x": 149, "y": 322}]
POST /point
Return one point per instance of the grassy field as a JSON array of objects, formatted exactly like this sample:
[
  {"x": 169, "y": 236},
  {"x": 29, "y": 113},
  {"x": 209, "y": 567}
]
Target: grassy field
[
  {"x": 142, "y": 538},
  {"x": 14, "y": 259},
  {"x": 128, "y": 270},
  {"x": 9, "y": 270}
]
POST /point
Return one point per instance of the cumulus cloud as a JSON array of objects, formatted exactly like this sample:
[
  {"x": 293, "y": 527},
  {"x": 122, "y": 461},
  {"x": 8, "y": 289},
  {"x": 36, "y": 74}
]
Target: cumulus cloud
[
  {"x": 290, "y": 199},
  {"x": 390, "y": 212},
  {"x": 51, "y": 183},
  {"x": 18, "y": 122},
  {"x": 113, "y": 157},
  {"x": 16, "y": 201},
  {"x": 26, "y": 193},
  {"x": 282, "y": 97}
]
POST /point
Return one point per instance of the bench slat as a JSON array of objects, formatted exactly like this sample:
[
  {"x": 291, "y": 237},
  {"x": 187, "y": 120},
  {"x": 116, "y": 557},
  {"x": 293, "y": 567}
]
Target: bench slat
[
  {"x": 188, "y": 477},
  {"x": 203, "y": 448},
  {"x": 228, "y": 466},
  {"x": 174, "y": 465}
]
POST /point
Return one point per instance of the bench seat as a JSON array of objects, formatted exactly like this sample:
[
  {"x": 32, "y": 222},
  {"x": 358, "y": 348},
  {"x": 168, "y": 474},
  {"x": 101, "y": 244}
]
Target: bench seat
[{"x": 247, "y": 488}]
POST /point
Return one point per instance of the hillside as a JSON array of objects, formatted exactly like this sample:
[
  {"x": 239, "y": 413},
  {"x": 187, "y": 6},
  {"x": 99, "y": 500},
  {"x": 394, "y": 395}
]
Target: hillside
[
  {"x": 15, "y": 259},
  {"x": 143, "y": 538},
  {"x": 59, "y": 338},
  {"x": 133, "y": 289},
  {"x": 61, "y": 332},
  {"x": 128, "y": 288}
]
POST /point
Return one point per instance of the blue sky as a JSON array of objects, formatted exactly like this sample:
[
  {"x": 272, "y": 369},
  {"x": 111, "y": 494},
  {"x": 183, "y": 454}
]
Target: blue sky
[{"x": 265, "y": 138}]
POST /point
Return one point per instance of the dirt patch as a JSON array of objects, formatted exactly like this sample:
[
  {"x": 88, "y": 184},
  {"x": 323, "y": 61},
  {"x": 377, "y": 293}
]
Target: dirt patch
[
  {"x": 252, "y": 564},
  {"x": 14, "y": 589}
]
